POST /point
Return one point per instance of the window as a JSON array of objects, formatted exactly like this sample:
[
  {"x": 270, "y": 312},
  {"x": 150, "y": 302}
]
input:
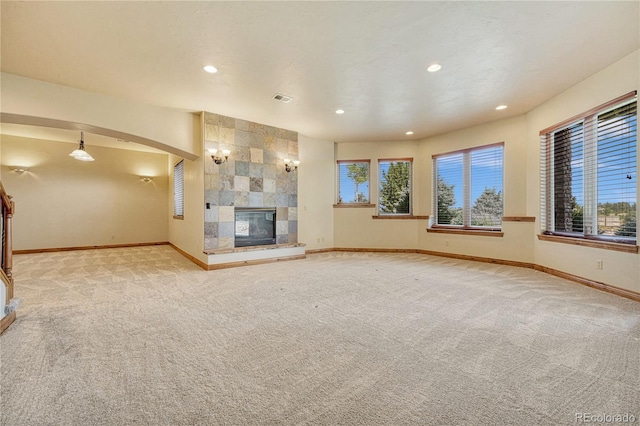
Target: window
[
  {"x": 178, "y": 190},
  {"x": 395, "y": 186},
  {"x": 467, "y": 188},
  {"x": 588, "y": 174},
  {"x": 353, "y": 182}
]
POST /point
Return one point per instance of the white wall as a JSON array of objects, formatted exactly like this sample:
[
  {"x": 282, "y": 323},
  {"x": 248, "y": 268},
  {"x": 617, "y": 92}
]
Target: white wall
[
  {"x": 315, "y": 192},
  {"x": 619, "y": 269},
  {"x": 62, "y": 202}
]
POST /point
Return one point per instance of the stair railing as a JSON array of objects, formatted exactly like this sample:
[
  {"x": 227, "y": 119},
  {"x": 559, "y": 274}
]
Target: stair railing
[{"x": 7, "y": 209}]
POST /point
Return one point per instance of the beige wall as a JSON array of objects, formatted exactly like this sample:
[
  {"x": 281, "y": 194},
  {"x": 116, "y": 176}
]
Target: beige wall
[
  {"x": 619, "y": 269},
  {"x": 322, "y": 226},
  {"x": 516, "y": 244},
  {"x": 354, "y": 227},
  {"x": 163, "y": 128},
  {"x": 188, "y": 234},
  {"x": 315, "y": 192},
  {"x": 61, "y": 202}
]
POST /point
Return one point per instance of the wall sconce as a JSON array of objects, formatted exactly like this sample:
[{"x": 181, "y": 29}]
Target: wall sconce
[
  {"x": 219, "y": 159},
  {"x": 146, "y": 178},
  {"x": 291, "y": 165},
  {"x": 19, "y": 169}
]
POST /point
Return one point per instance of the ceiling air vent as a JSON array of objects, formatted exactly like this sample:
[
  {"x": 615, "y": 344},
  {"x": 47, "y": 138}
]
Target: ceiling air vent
[{"x": 282, "y": 98}]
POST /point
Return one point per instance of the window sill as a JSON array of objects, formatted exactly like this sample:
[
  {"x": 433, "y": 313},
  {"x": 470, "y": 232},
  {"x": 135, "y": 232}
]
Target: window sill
[
  {"x": 625, "y": 248},
  {"x": 179, "y": 217},
  {"x": 352, "y": 205},
  {"x": 399, "y": 216},
  {"x": 459, "y": 231},
  {"x": 518, "y": 218}
]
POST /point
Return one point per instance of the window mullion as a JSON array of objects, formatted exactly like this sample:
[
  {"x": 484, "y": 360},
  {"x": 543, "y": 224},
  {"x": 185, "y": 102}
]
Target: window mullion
[
  {"x": 434, "y": 194},
  {"x": 590, "y": 217},
  {"x": 551, "y": 223},
  {"x": 466, "y": 190}
]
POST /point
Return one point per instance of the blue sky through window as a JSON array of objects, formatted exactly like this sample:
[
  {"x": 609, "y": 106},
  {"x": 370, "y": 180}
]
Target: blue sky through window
[
  {"x": 347, "y": 186},
  {"x": 486, "y": 172}
]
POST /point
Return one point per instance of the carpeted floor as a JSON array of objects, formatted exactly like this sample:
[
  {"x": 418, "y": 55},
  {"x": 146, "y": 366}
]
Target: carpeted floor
[{"x": 142, "y": 336}]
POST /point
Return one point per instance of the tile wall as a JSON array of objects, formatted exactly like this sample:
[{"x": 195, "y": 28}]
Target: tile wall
[{"x": 254, "y": 176}]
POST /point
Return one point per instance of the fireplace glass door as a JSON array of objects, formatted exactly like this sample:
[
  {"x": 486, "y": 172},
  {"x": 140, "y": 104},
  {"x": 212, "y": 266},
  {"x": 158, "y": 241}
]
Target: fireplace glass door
[{"x": 255, "y": 226}]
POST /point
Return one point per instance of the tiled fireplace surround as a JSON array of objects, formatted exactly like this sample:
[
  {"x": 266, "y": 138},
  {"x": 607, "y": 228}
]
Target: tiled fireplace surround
[{"x": 254, "y": 176}]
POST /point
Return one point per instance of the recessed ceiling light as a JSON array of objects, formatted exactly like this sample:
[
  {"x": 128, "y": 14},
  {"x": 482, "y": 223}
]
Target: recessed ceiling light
[
  {"x": 501, "y": 107},
  {"x": 339, "y": 111},
  {"x": 210, "y": 69},
  {"x": 434, "y": 68},
  {"x": 409, "y": 133}
]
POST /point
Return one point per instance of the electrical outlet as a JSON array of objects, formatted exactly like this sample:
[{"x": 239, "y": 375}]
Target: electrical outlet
[{"x": 599, "y": 264}]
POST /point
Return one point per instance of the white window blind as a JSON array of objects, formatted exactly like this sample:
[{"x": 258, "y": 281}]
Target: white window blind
[
  {"x": 395, "y": 187},
  {"x": 617, "y": 177},
  {"x": 353, "y": 181},
  {"x": 588, "y": 175},
  {"x": 178, "y": 189},
  {"x": 448, "y": 192},
  {"x": 468, "y": 188},
  {"x": 486, "y": 187}
]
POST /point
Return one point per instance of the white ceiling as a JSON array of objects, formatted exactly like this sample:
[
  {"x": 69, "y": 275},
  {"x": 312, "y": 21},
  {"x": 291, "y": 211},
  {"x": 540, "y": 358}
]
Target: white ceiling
[{"x": 368, "y": 58}]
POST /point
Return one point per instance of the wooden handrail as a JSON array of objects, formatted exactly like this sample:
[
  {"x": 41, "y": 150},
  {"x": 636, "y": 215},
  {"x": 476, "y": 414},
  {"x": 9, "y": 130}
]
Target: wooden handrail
[
  {"x": 6, "y": 199},
  {"x": 7, "y": 209}
]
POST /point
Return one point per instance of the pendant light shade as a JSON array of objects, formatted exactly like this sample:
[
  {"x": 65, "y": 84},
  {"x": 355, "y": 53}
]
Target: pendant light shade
[{"x": 80, "y": 154}]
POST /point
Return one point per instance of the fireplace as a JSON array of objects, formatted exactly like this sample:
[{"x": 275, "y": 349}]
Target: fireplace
[{"x": 255, "y": 226}]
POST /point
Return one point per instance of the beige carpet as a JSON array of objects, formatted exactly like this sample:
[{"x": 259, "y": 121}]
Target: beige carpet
[{"x": 142, "y": 336}]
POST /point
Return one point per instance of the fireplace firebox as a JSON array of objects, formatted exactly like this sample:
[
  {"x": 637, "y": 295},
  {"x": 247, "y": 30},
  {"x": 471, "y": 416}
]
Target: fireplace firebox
[{"x": 255, "y": 226}]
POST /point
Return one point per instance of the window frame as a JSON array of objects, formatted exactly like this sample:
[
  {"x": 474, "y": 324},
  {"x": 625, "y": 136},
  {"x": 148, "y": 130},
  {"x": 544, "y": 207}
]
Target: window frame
[
  {"x": 390, "y": 161},
  {"x": 589, "y": 234},
  {"x": 178, "y": 190},
  {"x": 354, "y": 203},
  {"x": 467, "y": 200}
]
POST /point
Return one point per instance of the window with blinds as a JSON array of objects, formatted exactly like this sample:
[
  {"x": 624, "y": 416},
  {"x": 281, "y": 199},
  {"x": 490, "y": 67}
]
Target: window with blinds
[
  {"x": 468, "y": 188},
  {"x": 178, "y": 190},
  {"x": 588, "y": 174},
  {"x": 394, "y": 196},
  {"x": 353, "y": 181}
]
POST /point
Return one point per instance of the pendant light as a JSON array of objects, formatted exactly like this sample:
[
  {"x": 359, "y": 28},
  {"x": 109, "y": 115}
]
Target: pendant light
[{"x": 80, "y": 154}]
